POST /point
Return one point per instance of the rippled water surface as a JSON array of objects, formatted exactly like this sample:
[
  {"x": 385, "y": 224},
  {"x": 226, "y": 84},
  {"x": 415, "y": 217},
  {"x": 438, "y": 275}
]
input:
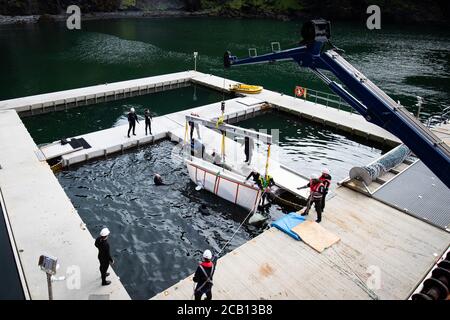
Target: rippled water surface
[{"x": 157, "y": 233}]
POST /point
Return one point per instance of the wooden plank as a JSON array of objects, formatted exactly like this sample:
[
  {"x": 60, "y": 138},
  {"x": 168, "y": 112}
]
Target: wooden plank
[{"x": 315, "y": 235}]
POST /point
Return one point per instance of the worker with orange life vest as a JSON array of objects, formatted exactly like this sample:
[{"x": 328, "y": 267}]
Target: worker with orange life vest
[
  {"x": 203, "y": 277},
  {"x": 326, "y": 180},
  {"x": 317, "y": 191}
]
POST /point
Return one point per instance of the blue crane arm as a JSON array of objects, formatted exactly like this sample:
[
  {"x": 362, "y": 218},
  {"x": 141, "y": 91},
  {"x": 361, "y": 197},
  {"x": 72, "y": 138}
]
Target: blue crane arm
[{"x": 362, "y": 94}]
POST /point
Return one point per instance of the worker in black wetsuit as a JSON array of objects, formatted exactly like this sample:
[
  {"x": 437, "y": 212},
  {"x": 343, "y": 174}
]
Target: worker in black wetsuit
[
  {"x": 255, "y": 176},
  {"x": 262, "y": 183},
  {"x": 104, "y": 255},
  {"x": 315, "y": 196},
  {"x": 203, "y": 277},
  {"x": 249, "y": 145},
  {"x": 132, "y": 119},
  {"x": 326, "y": 180},
  {"x": 148, "y": 121}
]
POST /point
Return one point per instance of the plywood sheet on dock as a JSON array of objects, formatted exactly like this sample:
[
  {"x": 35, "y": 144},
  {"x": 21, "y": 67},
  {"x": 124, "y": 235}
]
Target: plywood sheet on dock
[{"x": 315, "y": 235}]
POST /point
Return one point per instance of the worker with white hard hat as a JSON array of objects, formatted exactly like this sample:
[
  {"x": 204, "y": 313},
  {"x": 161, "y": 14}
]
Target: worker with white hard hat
[
  {"x": 326, "y": 180},
  {"x": 104, "y": 255},
  {"x": 132, "y": 119},
  {"x": 203, "y": 277},
  {"x": 316, "y": 193}
]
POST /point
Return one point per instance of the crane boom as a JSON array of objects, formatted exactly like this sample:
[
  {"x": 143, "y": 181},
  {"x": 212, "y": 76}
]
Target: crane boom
[{"x": 361, "y": 93}]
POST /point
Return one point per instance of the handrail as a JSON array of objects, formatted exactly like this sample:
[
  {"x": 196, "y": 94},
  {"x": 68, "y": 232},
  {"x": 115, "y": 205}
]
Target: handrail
[{"x": 328, "y": 98}]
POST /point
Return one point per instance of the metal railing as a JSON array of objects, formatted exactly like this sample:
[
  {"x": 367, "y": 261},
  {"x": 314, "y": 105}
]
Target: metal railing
[{"x": 326, "y": 99}]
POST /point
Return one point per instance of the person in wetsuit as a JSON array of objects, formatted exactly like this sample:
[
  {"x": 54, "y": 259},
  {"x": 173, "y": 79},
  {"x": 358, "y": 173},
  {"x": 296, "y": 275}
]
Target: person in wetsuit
[
  {"x": 148, "y": 121},
  {"x": 262, "y": 183},
  {"x": 104, "y": 255},
  {"x": 132, "y": 119},
  {"x": 203, "y": 277}
]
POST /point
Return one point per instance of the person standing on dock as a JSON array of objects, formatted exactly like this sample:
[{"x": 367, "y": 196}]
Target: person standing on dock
[
  {"x": 148, "y": 121},
  {"x": 104, "y": 255},
  {"x": 132, "y": 119},
  {"x": 203, "y": 277},
  {"x": 325, "y": 178},
  {"x": 254, "y": 174},
  {"x": 317, "y": 191},
  {"x": 248, "y": 149}
]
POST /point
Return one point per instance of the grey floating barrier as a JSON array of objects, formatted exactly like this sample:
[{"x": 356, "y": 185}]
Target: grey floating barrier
[{"x": 372, "y": 171}]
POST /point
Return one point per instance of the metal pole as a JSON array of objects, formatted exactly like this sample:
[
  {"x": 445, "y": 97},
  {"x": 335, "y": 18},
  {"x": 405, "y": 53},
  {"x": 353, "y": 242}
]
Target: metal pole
[
  {"x": 49, "y": 284},
  {"x": 195, "y": 60}
]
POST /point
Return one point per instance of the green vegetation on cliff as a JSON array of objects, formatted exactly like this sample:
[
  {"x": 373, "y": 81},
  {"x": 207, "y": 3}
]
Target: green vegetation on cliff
[{"x": 412, "y": 11}]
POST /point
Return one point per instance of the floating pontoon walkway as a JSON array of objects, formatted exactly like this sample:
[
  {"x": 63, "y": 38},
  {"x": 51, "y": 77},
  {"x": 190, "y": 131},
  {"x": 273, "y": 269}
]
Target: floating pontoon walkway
[
  {"x": 109, "y": 141},
  {"x": 42, "y": 220},
  {"x": 342, "y": 120},
  {"x": 382, "y": 254},
  {"x": 100, "y": 93}
]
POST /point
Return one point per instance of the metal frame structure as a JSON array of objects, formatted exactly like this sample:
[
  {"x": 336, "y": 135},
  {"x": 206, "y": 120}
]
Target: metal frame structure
[
  {"x": 224, "y": 127},
  {"x": 363, "y": 95}
]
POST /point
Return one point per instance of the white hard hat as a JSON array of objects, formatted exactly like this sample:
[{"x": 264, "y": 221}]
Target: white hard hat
[
  {"x": 104, "y": 232},
  {"x": 207, "y": 254},
  {"x": 326, "y": 171},
  {"x": 314, "y": 176},
  {"x": 132, "y": 109}
]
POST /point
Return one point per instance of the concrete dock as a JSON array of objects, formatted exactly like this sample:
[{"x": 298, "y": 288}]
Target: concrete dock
[
  {"x": 109, "y": 141},
  {"x": 339, "y": 119},
  {"x": 376, "y": 240},
  {"x": 44, "y": 221},
  {"x": 100, "y": 93}
]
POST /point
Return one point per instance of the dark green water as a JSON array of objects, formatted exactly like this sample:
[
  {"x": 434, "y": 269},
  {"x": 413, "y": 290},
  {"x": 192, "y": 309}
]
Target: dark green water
[{"x": 403, "y": 61}]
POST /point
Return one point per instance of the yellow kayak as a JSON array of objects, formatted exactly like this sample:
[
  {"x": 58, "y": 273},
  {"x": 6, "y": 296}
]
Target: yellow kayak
[{"x": 245, "y": 88}]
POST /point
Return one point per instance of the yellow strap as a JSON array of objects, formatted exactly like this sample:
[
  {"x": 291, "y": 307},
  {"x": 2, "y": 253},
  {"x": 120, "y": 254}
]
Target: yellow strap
[
  {"x": 185, "y": 132},
  {"x": 223, "y": 145},
  {"x": 267, "y": 161}
]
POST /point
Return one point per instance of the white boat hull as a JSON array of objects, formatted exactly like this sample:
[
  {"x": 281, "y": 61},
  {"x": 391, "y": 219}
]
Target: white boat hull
[{"x": 223, "y": 183}]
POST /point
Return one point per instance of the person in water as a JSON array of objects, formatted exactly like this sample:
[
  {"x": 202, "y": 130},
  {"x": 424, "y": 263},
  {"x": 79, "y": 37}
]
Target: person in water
[
  {"x": 132, "y": 119},
  {"x": 158, "y": 180},
  {"x": 203, "y": 209},
  {"x": 148, "y": 121}
]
